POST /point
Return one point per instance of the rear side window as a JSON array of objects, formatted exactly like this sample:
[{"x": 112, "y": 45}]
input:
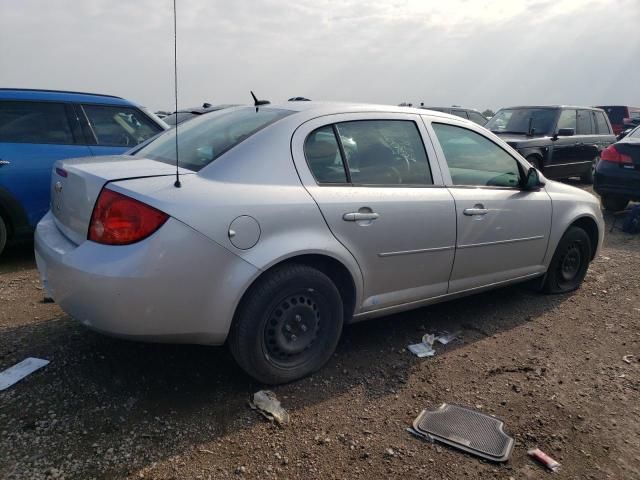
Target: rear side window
[
  {"x": 475, "y": 160},
  {"x": 616, "y": 114},
  {"x": 119, "y": 126},
  {"x": 34, "y": 122},
  {"x": 601, "y": 124},
  {"x": 584, "y": 123},
  {"x": 567, "y": 119},
  {"x": 459, "y": 113},
  {"x": 377, "y": 152},
  {"x": 205, "y": 138}
]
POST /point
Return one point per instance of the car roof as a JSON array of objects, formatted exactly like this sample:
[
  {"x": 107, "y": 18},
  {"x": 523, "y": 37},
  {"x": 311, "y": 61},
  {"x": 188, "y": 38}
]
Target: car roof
[
  {"x": 581, "y": 107},
  {"x": 60, "y": 96}
]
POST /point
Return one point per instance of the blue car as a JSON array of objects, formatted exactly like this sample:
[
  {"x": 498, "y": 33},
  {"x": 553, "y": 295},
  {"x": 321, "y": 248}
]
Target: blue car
[{"x": 38, "y": 127}]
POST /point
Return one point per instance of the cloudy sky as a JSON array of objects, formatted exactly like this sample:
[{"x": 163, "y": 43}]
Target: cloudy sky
[{"x": 477, "y": 53}]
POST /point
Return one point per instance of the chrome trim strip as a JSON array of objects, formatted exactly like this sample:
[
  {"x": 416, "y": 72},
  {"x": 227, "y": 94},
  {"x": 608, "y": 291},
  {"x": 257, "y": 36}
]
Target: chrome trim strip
[
  {"x": 501, "y": 242},
  {"x": 411, "y": 252}
]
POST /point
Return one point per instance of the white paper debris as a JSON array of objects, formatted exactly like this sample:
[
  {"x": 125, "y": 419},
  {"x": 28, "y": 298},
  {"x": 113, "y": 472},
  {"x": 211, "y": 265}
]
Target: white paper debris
[
  {"x": 447, "y": 337},
  {"x": 20, "y": 370},
  {"x": 422, "y": 350}
]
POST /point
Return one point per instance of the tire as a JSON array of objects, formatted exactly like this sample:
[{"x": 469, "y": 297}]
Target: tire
[
  {"x": 3, "y": 235},
  {"x": 588, "y": 176},
  {"x": 570, "y": 262},
  {"x": 535, "y": 161},
  {"x": 288, "y": 324},
  {"x": 613, "y": 203}
]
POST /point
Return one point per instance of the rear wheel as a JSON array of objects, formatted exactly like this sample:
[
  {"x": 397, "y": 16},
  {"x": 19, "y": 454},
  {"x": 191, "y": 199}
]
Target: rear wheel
[
  {"x": 587, "y": 177},
  {"x": 288, "y": 325},
  {"x": 614, "y": 203},
  {"x": 3, "y": 234},
  {"x": 569, "y": 263}
]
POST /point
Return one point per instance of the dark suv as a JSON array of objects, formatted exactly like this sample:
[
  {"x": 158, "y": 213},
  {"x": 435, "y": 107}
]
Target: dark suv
[
  {"x": 561, "y": 141},
  {"x": 467, "y": 113}
]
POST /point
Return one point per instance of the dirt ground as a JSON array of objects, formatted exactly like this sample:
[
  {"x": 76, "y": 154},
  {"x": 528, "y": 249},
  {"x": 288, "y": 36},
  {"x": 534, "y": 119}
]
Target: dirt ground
[{"x": 550, "y": 366}]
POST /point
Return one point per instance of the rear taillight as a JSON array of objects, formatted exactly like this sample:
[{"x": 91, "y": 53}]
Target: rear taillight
[
  {"x": 611, "y": 154},
  {"x": 121, "y": 220}
]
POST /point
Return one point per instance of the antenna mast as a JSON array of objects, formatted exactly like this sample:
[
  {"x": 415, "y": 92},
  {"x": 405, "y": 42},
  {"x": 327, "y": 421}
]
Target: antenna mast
[{"x": 177, "y": 183}]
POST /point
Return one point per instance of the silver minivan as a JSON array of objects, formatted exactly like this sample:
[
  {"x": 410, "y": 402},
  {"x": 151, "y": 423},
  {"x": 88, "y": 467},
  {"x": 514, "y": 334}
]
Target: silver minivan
[{"x": 293, "y": 220}]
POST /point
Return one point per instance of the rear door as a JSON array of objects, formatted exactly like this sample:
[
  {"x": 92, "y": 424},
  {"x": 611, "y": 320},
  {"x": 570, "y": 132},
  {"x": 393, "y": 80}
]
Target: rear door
[
  {"x": 33, "y": 135},
  {"x": 587, "y": 142},
  {"x": 382, "y": 196},
  {"x": 503, "y": 231},
  {"x": 113, "y": 130}
]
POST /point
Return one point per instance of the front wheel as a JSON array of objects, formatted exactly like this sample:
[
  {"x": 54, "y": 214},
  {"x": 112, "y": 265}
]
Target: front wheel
[
  {"x": 3, "y": 235},
  {"x": 569, "y": 263},
  {"x": 613, "y": 203},
  {"x": 288, "y": 324}
]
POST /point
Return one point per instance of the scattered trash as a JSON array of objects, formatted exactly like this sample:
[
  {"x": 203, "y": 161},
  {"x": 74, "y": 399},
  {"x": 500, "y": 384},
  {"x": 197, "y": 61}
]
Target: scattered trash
[
  {"x": 20, "y": 370},
  {"x": 628, "y": 358},
  {"x": 465, "y": 429},
  {"x": 447, "y": 337},
  {"x": 425, "y": 348},
  {"x": 266, "y": 402},
  {"x": 544, "y": 459}
]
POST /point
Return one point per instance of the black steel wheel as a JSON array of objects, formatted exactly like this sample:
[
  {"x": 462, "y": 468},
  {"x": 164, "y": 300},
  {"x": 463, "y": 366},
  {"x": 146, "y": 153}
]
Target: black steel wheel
[
  {"x": 570, "y": 262},
  {"x": 288, "y": 324}
]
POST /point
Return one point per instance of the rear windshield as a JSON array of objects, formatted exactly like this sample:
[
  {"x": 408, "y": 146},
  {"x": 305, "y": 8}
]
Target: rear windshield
[
  {"x": 178, "y": 117},
  {"x": 616, "y": 114},
  {"x": 635, "y": 133},
  {"x": 203, "y": 139},
  {"x": 518, "y": 120}
]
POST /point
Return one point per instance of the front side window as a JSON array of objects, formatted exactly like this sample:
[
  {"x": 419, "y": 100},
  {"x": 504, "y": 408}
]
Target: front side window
[
  {"x": 119, "y": 126},
  {"x": 34, "y": 122},
  {"x": 584, "y": 123},
  {"x": 523, "y": 121},
  {"x": 567, "y": 120},
  {"x": 203, "y": 139},
  {"x": 475, "y": 160},
  {"x": 601, "y": 124}
]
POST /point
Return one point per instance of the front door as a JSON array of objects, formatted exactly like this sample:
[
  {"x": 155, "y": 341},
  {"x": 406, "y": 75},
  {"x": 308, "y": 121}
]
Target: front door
[
  {"x": 503, "y": 231},
  {"x": 383, "y": 198},
  {"x": 565, "y": 149}
]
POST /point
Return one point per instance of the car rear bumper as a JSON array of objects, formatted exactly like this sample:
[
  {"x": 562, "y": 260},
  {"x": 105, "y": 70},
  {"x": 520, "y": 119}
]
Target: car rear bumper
[
  {"x": 175, "y": 286},
  {"x": 615, "y": 180}
]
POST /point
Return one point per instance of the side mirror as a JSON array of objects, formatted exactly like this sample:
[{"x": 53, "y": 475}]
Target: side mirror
[
  {"x": 532, "y": 180},
  {"x": 566, "y": 132}
]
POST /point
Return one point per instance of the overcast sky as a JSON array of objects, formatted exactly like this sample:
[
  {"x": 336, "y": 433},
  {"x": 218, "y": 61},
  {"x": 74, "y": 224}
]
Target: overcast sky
[{"x": 474, "y": 53}]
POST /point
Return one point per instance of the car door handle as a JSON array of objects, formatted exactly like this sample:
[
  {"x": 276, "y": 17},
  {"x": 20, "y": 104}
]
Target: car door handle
[
  {"x": 476, "y": 210},
  {"x": 357, "y": 216},
  {"x": 4, "y": 162}
]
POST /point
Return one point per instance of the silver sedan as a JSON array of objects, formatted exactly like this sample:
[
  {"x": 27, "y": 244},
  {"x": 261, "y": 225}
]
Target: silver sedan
[{"x": 294, "y": 220}]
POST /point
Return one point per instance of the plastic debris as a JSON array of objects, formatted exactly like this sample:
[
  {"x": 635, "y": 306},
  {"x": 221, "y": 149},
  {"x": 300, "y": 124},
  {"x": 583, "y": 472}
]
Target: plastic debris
[
  {"x": 425, "y": 348},
  {"x": 544, "y": 459},
  {"x": 447, "y": 337},
  {"x": 628, "y": 358},
  {"x": 268, "y": 405},
  {"x": 20, "y": 370}
]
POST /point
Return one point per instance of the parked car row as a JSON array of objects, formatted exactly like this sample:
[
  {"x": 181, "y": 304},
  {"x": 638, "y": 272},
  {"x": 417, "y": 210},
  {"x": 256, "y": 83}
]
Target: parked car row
[
  {"x": 38, "y": 127},
  {"x": 294, "y": 219}
]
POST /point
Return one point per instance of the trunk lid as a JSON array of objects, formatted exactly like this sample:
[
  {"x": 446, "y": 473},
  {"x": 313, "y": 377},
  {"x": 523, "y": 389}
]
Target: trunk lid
[{"x": 76, "y": 184}]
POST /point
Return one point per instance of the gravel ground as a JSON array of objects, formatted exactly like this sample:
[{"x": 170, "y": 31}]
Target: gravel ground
[{"x": 550, "y": 366}]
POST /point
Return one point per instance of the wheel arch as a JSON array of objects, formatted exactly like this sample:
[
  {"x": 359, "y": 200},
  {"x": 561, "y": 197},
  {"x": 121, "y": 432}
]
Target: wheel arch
[
  {"x": 334, "y": 268},
  {"x": 590, "y": 226}
]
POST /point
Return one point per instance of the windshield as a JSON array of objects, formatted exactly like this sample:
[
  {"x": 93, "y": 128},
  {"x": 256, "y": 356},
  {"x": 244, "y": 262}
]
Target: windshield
[
  {"x": 516, "y": 120},
  {"x": 205, "y": 138}
]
